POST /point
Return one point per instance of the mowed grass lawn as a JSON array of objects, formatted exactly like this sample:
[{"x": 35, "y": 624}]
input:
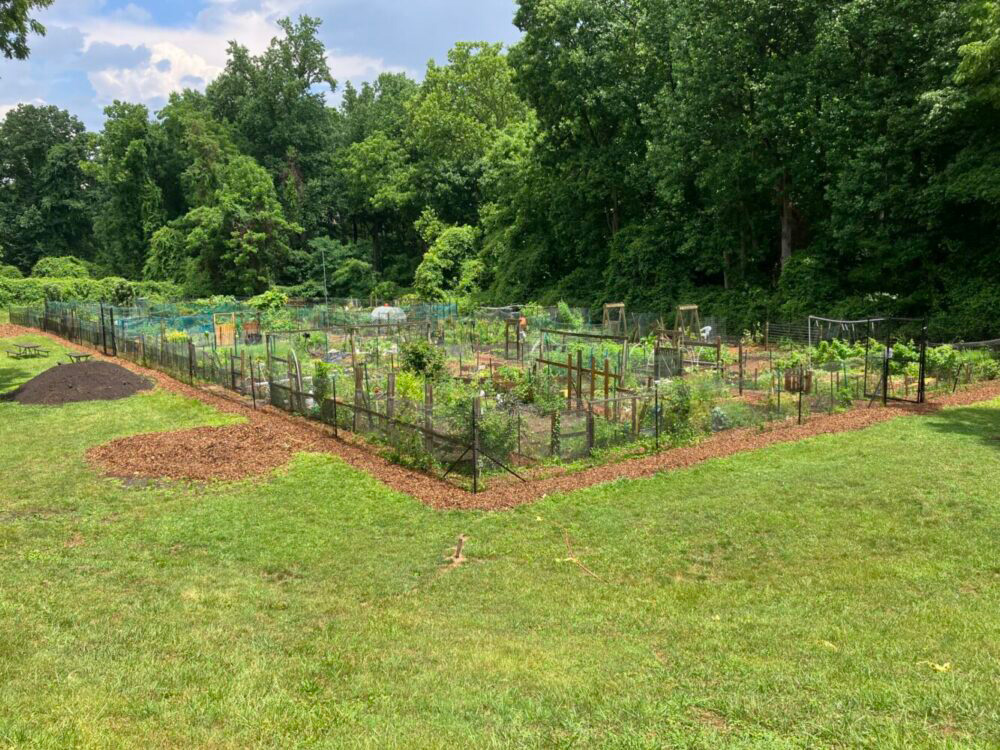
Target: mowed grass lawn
[{"x": 839, "y": 592}]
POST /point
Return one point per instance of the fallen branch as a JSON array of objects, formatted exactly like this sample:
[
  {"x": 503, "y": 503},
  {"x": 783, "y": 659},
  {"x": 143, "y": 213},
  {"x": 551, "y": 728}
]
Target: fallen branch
[{"x": 570, "y": 557}]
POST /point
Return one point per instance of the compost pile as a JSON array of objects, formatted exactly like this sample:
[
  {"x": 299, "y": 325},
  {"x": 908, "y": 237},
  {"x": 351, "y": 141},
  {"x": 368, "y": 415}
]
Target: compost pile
[{"x": 80, "y": 381}]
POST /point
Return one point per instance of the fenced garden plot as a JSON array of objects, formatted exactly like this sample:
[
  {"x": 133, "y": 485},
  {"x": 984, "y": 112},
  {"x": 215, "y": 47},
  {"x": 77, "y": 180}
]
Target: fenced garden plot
[{"x": 486, "y": 397}]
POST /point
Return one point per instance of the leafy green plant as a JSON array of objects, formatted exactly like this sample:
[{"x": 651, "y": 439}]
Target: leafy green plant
[
  {"x": 321, "y": 380},
  {"x": 63, "y": 267},
  {"x": 422, "y": 358},
  {"x": 676, "y": 407},
  {"x": 270, "y": 301},
  {"x": 568, "y": 317}
]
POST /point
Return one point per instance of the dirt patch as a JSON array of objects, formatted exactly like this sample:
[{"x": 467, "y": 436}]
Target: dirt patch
[
  {"x": 203, "y": 453},
  {"x": 80, "y": 381},
  {"x": 272, "y": 436},
  {"x": 709, "y": 718}
]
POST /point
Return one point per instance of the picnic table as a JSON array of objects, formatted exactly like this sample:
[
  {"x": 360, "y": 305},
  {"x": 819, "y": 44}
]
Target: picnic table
[
  {"x": 27, "y": 350},
  {"x": 78, "y": 356}
]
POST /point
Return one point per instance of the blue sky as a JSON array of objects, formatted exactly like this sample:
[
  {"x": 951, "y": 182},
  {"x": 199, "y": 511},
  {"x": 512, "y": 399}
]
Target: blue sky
[{"x": 97, "y": 51}]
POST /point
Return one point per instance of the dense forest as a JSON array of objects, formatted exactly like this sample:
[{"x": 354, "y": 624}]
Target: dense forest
[{"x": 761, "y": 158}]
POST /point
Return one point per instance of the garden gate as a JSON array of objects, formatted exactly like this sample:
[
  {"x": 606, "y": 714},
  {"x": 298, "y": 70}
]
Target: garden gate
[{"x": 896, "y": 360}]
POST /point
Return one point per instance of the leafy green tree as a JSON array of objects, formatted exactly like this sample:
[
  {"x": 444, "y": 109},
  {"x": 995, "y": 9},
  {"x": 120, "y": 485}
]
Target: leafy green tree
[
  {"x": 276, "y": 105},
  {"x": 127, "y": 170},
  {"x": 16, "y": 24},
  {"x": 348, "y": 268},
  {"x": 450, "y": 265},
  {"x": 460, "y": 109},
  {"x": 234, "y": 236},
  {"x": 45, "y": 198}
]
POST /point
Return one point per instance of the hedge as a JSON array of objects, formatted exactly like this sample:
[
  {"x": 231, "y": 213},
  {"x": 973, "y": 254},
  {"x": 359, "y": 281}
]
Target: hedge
[{"x": 113, "y": 290}]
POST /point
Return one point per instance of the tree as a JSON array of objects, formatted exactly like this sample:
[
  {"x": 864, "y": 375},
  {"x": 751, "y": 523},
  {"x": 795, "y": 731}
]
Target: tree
[
  {"x": 458, "y": 112},
  {"x": 45, "y": 197},
  {"x": 128, "y": 172},
  {"x": 450, "y": 265},
  {"x": 277, "y": 107},
  {"x": 15, "y": 25},
  {"x": 234, "y": 236}
]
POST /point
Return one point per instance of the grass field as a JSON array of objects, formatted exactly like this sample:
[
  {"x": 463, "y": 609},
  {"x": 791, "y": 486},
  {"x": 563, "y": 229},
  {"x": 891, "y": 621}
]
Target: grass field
[{"x": 839, "y": 592}]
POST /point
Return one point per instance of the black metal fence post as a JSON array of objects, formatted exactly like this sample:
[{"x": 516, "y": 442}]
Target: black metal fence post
[
  {"x": 253, "y": 384},
  {"x": 475, "y": 445},
  {"x": 104, "y": 335},
  {"x": 111, "y": 323},
  {"x": 656, "y": 414},
  {"x": 885, "y": 375},
  {"x": 741, "y": 365},
  {"x": 335, "y": 434},
  {"x": 802, "y": 382},
  {"x": 921, "y": 384}
]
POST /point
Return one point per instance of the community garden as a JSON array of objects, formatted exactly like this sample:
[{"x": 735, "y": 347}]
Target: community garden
[
  {"x": 501, "y": 395},
  {"x": 305, "y": 600}
]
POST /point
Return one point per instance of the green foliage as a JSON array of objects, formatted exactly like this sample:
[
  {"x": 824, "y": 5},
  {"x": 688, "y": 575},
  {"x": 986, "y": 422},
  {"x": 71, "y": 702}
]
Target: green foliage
[
  {"x": 65, "y": 267},
  {"x": 676, "y": 406},
  {"x": 422, "y": 358},
  {"x": 16, "y": 25},
  {"x": 10, "y": 272},
  {"x": 46, "y": 199},
  {"x": 113, "y": 290},
  {"x": 447, "y": 266},
  {"x": 127, "y": 171},
  {"x": 349, "y": 269},
  {"x": 321, "y": 380},
  {"x": 567, "y": 317},
  {"x": 652, "y": 152},
  {"x": 271, "y": 301}
]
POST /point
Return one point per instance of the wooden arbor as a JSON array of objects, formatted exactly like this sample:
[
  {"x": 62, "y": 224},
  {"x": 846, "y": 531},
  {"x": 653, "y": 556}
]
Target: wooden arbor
[
  {"x": 687, "y": 323},
  {"x": 614, "y": 318}
]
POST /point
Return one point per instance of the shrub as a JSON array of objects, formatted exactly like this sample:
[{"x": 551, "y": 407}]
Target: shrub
[
  {"x": 111, "y": 290},
  {"x": 676, "y": 405},
  {"x": 10, "y": 272},
  {"x": 567, "y": 317},
  {"x": 62, "y": 267},
  {"x": 270, "y": 301},
  {"x": 720, "y": 420},
  {"x": 423, "y": 359},
  {"x": 321, "y": 381}
]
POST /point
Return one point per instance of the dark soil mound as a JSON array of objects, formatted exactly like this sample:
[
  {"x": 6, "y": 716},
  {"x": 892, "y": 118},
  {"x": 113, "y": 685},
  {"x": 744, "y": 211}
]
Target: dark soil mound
[{"x": 80, "y": 381}]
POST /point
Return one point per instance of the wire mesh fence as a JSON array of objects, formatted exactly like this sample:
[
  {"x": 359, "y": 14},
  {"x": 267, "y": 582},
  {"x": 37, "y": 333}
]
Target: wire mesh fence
[{"x": 511, "y": 397}]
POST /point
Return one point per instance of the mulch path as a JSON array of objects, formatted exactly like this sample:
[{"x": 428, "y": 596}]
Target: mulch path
[
  {"x": 79, "y": 381},
  {"x": 8, "y": 331},
  {"x": 270, "y": 438}
]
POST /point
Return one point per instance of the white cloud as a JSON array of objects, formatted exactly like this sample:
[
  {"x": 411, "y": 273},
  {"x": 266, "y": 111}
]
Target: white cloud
[
  {"x": 5, "y": 108},
  {"x": 133, "y": 13},
  {"x": 195, "y": 53}
]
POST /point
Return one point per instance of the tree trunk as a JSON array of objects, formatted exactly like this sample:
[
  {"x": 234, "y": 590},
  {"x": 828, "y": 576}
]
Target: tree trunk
[
  {"x": 786, "y": 222},
  {"x": 376, "y": 250}
]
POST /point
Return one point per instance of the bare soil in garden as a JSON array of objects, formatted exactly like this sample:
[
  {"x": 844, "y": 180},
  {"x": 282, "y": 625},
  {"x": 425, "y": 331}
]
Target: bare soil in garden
[
  {"x": 79, "y": 381},
  {"x": 270, "y": 438}
]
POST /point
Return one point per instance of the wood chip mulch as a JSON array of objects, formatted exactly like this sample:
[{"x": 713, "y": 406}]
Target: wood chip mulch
[{"x": 270, "y": 438}]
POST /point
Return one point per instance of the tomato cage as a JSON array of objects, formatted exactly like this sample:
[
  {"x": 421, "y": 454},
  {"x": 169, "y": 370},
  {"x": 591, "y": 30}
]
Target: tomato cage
[{"x": 895, "y": 360}]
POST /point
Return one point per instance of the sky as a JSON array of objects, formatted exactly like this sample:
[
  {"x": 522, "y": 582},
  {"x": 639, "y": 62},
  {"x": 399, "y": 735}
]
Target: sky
[{"x": 96, "y": 51}]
